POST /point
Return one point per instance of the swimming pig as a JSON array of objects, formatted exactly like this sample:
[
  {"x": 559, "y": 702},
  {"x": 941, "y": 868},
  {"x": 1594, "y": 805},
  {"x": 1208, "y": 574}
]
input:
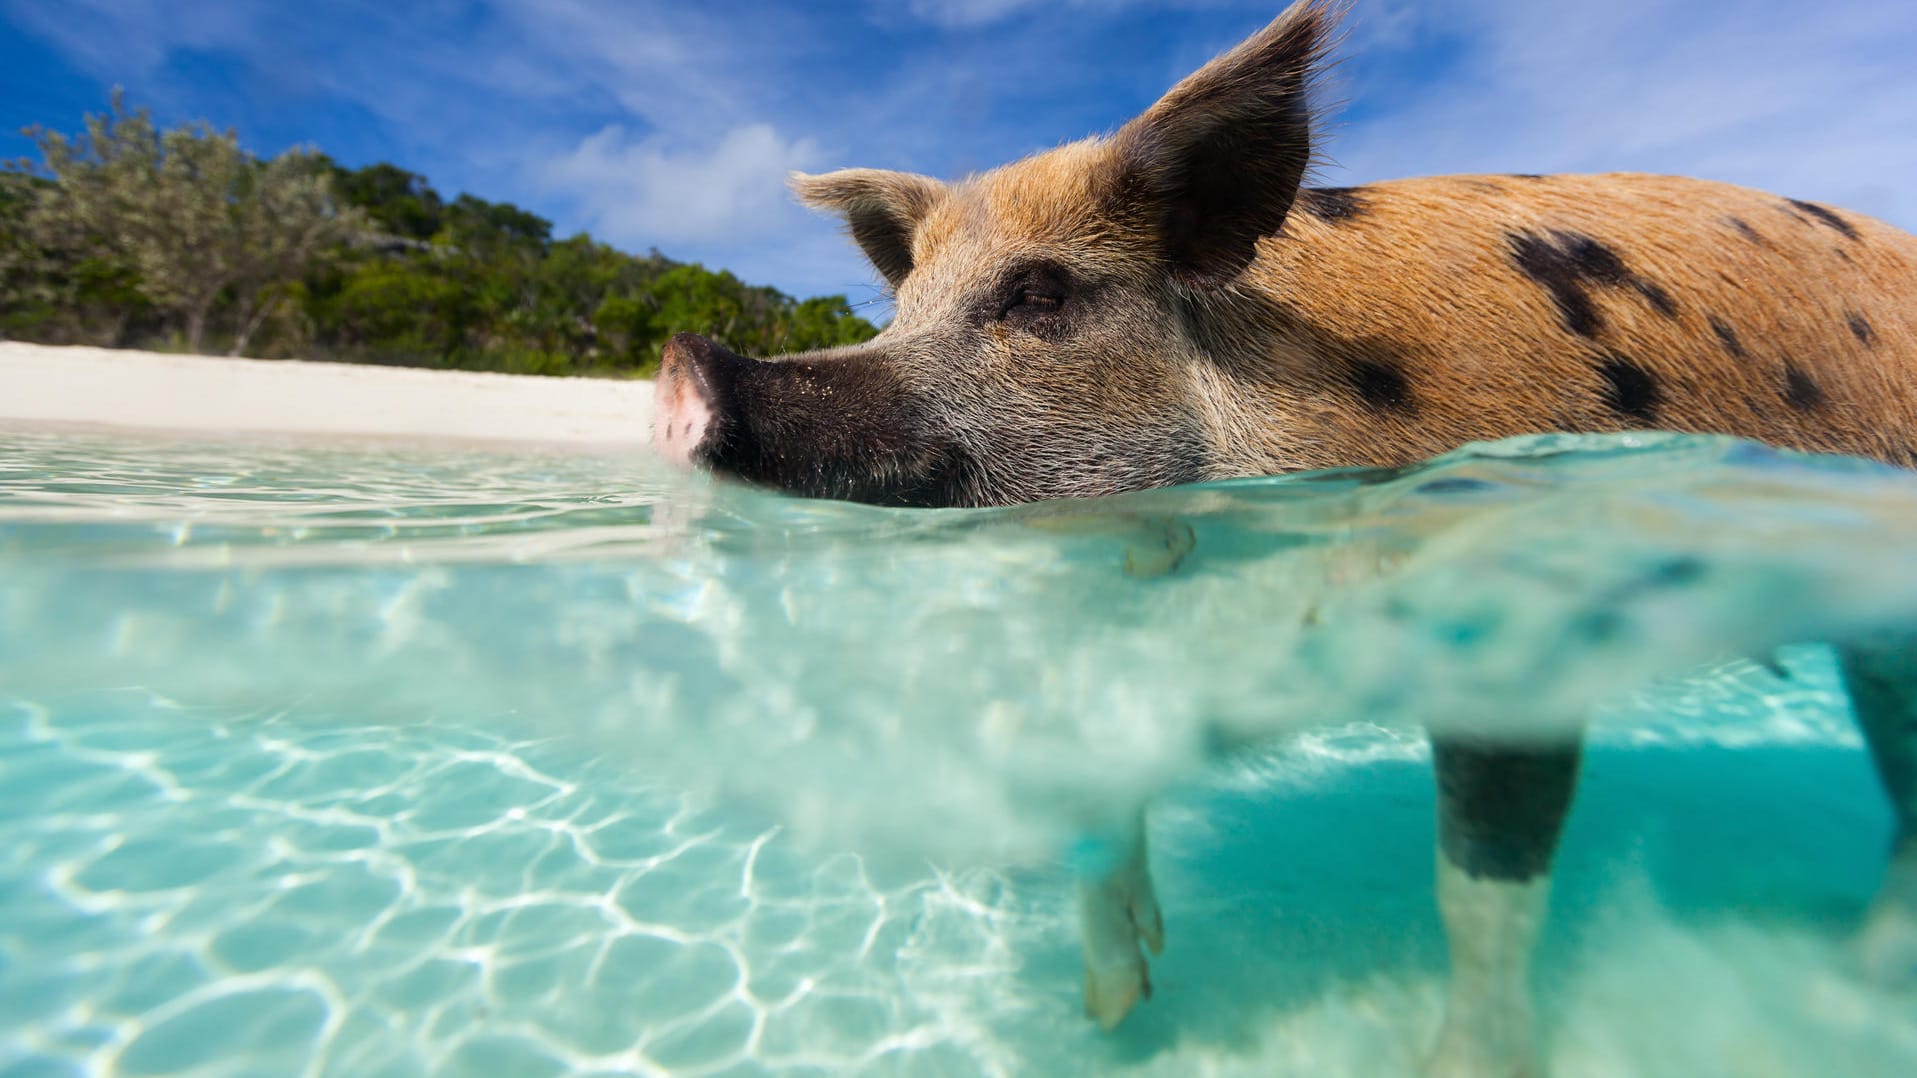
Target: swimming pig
[{"x": 1170, "y": 304}]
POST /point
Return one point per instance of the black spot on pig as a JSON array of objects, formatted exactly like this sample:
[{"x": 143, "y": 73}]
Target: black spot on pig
[
  {"x": 1727, "y": 337},
  {"x": 1568, "y": 265},
  {"x": 1380, "y": 385},
  {"x": 1333, "y": 203},
  {"x": 1660, "y": 300},
  {"x": 1826, "y": 217},
  {"x": 1810, "y": 211},
  {"x": 1800, "y": 389},
  {"x": 1630, "y": 389},
  {"x": 1557, "y": 271}
]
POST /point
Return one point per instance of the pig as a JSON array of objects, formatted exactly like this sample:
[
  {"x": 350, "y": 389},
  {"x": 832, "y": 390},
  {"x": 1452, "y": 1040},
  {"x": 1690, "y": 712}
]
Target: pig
[{"x": 1170, "y": 303}]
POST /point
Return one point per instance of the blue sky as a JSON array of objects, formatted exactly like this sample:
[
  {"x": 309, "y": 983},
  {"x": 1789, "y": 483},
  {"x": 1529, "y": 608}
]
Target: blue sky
[{"x": 671, "y": 123}]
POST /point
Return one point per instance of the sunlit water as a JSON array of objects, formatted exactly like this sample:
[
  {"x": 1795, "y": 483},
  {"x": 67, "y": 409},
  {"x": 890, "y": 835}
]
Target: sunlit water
[{"x": 402, "y": 761}]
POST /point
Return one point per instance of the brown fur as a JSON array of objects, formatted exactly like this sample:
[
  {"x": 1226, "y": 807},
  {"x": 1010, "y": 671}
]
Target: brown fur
[
  {"x": 1167, "y": 304},
  {"x": 1485, "y": 353}
]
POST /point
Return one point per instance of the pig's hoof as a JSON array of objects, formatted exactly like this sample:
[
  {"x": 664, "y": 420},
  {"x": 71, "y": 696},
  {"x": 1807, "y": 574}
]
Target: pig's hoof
[
  {"x": 1118, "y": 913},
  {"x": 1160, "y": 548},
  {"x": 1497, "y": 1044},
  {"x": 1111, "y": 993}
]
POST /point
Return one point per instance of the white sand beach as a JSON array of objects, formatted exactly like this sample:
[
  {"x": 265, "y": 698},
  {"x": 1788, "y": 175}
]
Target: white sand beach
[{"x": 145, "y": 390}]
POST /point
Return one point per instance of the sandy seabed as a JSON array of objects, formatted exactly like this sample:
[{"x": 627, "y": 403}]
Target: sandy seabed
[{"x": 147, "y": 390}]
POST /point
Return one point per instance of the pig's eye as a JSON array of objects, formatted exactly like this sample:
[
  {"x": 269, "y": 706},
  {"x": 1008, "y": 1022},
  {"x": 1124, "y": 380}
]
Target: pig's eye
[
  {"x": 1038, "y": 301},
  {"x": 1033, "y": 298}
]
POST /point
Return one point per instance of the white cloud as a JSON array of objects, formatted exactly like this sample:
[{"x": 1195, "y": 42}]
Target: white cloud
[
  {"x": 646, "y": 190},
  {"x": 967, "y": 12},
  {"x": 121, "y": 38},
  {"x": 1811, "y": 101},
  {"x": 677, "y": 65},
  {"x": 963, "y": 14}
]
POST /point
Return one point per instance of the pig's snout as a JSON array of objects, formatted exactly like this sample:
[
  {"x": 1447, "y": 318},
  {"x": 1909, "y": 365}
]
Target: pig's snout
[
  {"x": 826, "y": 425},
  {"x": 692, "y": 397}
]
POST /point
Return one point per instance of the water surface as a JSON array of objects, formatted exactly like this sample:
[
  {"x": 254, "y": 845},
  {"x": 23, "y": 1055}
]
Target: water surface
[{"x": 404, "y": 760}]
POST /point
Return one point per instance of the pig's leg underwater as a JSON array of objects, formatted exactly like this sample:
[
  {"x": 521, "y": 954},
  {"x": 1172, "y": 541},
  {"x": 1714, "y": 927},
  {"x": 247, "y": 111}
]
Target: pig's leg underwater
[
  {"x": 1118, "y": 911},
  {"x": 1117, "y": 905},
  {"x": 1880, "y": 674},
  {"x": 1501, "y": 808}
]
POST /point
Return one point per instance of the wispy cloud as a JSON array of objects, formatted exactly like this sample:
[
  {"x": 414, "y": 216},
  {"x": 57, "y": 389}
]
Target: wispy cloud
[
  {"x": 644, "y": 191},
  {"x": 1809, "y": 100},
  {"x": 976, "y": 13},
  {"x": 968, "y": 12},
  {"x": 139, "y": 34}
]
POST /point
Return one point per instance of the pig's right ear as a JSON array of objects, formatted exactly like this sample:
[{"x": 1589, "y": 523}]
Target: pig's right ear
[
  {"x": 1215, "y": 164},
  {"x": 883, "y": 210}
]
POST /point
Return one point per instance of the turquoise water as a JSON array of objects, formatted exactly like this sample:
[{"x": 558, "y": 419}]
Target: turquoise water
[{"x": 404, "y": 760}]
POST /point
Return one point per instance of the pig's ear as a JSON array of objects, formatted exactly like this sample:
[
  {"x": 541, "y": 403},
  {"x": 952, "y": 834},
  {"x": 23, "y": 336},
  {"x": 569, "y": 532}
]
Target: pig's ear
[
  {"x": 1216, "y": 163},
  {"x": 882, "y": 208}
]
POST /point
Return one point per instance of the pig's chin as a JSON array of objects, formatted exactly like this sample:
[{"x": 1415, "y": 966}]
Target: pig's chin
[
  {"x": 808, "y": 459},
  {"x": 921, "y": 477}
]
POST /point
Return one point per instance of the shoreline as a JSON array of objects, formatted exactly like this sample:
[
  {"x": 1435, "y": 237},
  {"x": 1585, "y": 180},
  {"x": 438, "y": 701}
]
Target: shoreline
[{"x": 77, "y": 387}]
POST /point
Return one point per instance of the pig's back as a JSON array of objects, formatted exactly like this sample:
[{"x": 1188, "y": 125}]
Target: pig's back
[{"x": 1485, "y": 306}]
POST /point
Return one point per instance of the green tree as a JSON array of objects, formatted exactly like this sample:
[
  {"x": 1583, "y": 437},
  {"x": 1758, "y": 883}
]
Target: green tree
[
  {"x": 59, "y": 279},
  {"x": 401, "y": 312},
  {"x": 23, "y": 302},
  {"x": 493, "y": 225},
  {"x": 628, "y": 331},
  {"x": 197, "y": 216},
  {"x": 126, "y": 233},
  {"x": 395, "y": 201},
  {"x": 824, "y": 322},
  {"x": 693, "y": 299}
]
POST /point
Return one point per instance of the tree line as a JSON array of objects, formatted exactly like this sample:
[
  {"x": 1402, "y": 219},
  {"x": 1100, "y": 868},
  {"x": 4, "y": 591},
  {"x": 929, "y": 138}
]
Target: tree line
[{"x": 125, "y": 235}]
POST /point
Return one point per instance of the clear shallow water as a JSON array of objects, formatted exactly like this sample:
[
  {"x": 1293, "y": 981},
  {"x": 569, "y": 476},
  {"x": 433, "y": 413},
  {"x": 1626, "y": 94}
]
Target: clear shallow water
[{"x": 402, "y": 761}]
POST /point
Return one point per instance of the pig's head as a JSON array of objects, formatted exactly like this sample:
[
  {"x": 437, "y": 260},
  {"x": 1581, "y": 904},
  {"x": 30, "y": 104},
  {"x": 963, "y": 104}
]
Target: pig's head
[{"x": 1059, "y": 322}]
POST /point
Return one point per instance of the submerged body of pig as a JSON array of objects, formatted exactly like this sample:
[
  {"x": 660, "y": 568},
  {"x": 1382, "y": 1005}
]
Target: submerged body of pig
[{"x": 1169, "y": 305}]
